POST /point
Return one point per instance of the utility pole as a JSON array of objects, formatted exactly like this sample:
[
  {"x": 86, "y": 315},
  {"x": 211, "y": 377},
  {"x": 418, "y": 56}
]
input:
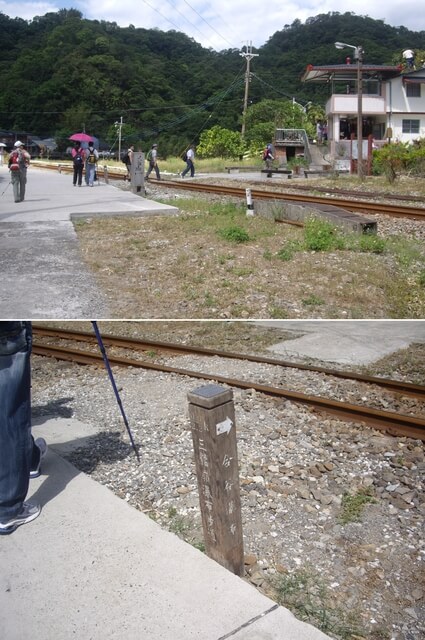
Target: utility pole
[
  {"x": 119, "y": 125},
  {"x": 248, "y": 55},
  {"x": 358, "y": 55}
]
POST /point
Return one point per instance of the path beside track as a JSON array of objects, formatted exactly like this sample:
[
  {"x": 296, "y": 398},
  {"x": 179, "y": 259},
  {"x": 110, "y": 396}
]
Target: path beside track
[
  {"x": 116, "y": 573},
  {"x": 43, "y": 275}
]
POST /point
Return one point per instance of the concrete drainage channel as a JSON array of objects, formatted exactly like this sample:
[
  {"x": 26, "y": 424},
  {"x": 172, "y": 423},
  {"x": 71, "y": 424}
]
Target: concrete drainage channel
[{"x": 281, "y": 210}]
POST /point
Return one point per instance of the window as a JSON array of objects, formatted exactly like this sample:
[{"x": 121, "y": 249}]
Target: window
[
  {"x": 413, "y": 90},
  {"x": 410, "y": 126}
]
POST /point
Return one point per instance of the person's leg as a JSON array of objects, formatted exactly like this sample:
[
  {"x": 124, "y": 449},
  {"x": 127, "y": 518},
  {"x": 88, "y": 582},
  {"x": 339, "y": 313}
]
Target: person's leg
[
  {"x": 158, "y": 176},
  {"x": 149, "y": 170},
  {"x": 192, "y": 169},
  {"x": 80, "y": 175},
  {"x": 15, "y": 420},
  {"x": 90, "y": 169},
  {"x": 14, "y": 176},
  {"x": 23, "y": 182},
  {"x": 187, "y": 169}
]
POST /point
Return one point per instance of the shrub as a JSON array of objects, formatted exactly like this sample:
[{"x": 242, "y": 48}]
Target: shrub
[
  {"x": 391, "y": 158},
  {"x": 371, "y": 244},
  {"x": 352, "y": 505},
  {"x": 320, "y": 235},
  {"x": 234, "y": 234},
  {"x": 288, "y": 250}
]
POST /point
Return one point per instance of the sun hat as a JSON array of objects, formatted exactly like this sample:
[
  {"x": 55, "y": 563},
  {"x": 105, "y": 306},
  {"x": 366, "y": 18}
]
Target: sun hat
[{"x": 18, "y": 143}]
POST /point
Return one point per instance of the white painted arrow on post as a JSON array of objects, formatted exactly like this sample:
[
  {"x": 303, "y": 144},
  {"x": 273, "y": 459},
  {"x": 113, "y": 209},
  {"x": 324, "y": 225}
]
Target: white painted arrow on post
[{"x": 224, "y": 427}]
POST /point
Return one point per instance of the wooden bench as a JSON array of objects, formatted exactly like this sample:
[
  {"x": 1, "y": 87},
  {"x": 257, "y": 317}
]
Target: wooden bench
[
  {"x": 242, "y": 168},
  {"x": 270, "y": 172},
  {"x": 318, "y": 172}
]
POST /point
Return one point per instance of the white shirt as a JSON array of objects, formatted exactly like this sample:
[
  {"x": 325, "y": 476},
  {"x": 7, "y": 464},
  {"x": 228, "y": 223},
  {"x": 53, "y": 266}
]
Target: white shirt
[{"x": 190, "y": 154}]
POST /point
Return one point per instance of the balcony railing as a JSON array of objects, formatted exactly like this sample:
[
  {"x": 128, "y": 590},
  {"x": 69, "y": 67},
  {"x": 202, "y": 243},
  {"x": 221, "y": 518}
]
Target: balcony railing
[{"x": 294, "y": 137}]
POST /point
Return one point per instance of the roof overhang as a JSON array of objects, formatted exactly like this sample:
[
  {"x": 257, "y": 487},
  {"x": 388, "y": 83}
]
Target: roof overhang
[
  {"x": 413, "y": 79},
  {"x": 343, "y": 72}
]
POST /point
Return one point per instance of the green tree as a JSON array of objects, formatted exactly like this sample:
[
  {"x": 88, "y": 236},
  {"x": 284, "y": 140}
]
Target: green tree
[{"x": 220, "y": 142}]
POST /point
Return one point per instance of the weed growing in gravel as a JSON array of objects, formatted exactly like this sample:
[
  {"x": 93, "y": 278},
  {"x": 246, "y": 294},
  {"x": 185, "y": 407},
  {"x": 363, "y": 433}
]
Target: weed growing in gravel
[
  {"x": 184, "y": 528},
  {"x": 305, "y": 594},
  {"x": 288, "y": 250},
  {"x": 277, "y": 313},
  {"x": 320, "y": 235},
  {"x": 234, "y": 234},
  {"x": 353, "y": 505},
  {"x": 313, "y": 301},
  {"x": 370, "y": 243}
]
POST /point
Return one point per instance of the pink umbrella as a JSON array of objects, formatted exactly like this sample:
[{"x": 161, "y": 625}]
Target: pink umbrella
[{"x": 81, "y": 137}]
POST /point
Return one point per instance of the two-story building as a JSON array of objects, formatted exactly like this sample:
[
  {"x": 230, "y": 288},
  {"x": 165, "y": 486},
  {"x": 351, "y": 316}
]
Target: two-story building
[{"x": 392, "y": 106}]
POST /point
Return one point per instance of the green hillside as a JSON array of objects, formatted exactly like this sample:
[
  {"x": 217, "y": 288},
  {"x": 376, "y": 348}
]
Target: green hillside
[{"x": 60, "y": 73}]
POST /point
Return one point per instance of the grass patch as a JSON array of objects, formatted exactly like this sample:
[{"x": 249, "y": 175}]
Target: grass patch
[
  {"x": 313, "y": 301},
  {"x": 352, "y": 505},
  {"x": 174, "y": 267},
  {"x": 184, "y": 528},
  {"x": 234, "y": 234},
  {"x": 305, "y": 594},
  {"x": 320, "y": 235}
]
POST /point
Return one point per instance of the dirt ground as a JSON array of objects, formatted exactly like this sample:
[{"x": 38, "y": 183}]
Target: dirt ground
[{"x": 182, "y": 267}]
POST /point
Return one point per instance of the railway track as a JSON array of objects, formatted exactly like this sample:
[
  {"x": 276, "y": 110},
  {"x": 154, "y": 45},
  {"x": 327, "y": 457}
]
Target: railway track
[
  {"x": 348, "y": 203},
  {"x": 393, "y": 423}
]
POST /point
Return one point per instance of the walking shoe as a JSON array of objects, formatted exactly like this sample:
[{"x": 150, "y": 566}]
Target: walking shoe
[
  {"x": 28, "y": 512},
  {"x": 42, "y": 445}
]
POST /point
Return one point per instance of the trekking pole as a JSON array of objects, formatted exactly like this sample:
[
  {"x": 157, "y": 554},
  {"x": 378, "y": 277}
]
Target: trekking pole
[
  {"x": 114, "y": 386},
  {"x": 6, "y": 188}
]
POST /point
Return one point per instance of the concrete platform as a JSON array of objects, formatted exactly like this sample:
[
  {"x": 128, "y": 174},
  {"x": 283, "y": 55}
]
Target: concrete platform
[
  {"x": 43, "y": 275},
  {"x": 91, "y": 566},
  {"x": 346, "y": 341}
]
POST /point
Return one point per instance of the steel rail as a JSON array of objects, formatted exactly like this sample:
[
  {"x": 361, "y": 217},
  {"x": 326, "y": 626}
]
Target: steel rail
[
  {"x": 397, "y": 386},
  {"x": 393, "y": 423},
  {"x": 417, "y": 213},
  {"x": 350, "y": 205}
]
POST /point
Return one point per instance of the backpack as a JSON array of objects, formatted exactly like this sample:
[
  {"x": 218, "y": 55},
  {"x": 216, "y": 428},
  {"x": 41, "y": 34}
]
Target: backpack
[
  {"x": 149, "y": 155},
  {"x": 184, "y": 156},
  {"x": 265, "y": 153},
  {"x": 78, "y": 158},
  {"x": 92, "y": 158},
  {"x": 126, "y": 158},
  {"x": 14, "y": 161}
]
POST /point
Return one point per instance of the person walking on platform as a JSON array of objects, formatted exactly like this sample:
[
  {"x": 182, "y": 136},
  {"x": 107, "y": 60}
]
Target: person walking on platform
[
  {"x": 268, "y": 157},
  {"x": 152, "y": 158},
  {"x": 92, "y": 156},
  {"x": 20, "y": 455},
  {"x": 409, "y": 56},
  {"x": 128, "y": 159},
  {"x": 19, "y": 160},
  {"x": 190, "y": 157},
  {"x": 78, "y": 162}
]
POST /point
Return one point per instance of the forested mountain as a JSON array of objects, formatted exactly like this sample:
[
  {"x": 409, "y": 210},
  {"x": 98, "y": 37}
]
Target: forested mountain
[{"x": 60, "y": 73}]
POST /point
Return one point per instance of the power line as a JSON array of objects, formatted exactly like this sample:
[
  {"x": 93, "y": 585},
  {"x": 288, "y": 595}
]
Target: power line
[
  {"x": 188, "y": 21},
  {"x": 162, "y": 15},
  {"x": 210, "y": 26},
  {"x": 282, "y": 93}
]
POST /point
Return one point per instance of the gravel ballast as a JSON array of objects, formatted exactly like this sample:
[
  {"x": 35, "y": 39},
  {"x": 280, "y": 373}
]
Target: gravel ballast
[{"x": 297, "y": 468}]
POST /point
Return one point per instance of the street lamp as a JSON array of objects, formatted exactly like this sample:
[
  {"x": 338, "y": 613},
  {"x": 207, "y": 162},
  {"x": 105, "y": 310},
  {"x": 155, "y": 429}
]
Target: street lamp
[
  {"x": 358, "y": 55},
  {"x": 119, "y": 125}
]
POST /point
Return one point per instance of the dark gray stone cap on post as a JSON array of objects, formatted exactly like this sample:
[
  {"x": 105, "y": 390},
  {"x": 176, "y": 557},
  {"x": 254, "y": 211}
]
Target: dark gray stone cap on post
[{"x": 210, "y": 396}]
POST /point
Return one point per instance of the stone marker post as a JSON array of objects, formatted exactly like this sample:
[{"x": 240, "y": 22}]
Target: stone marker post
[
  {"x": 137, "y": 172},
  {"x": 212, "y": 416}
]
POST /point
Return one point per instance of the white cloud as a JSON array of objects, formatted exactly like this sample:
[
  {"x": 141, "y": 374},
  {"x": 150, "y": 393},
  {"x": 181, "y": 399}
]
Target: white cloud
[{"x": 223, "y": 24}]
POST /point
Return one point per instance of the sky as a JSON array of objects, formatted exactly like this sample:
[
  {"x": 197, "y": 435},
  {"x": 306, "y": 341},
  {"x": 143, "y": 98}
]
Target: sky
[{"x": 223, "y": 24}]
